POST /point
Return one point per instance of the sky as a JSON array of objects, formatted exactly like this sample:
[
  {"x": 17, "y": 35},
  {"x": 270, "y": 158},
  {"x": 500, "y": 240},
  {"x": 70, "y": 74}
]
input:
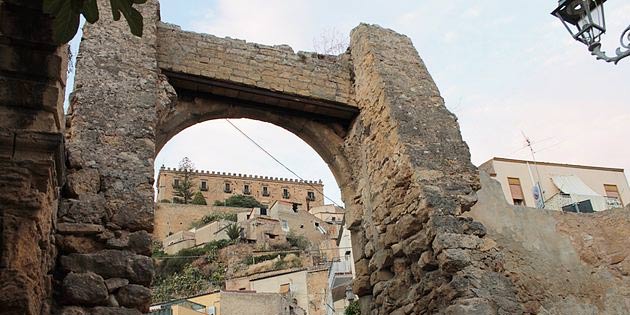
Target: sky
[{"x": 507, "y": 69}]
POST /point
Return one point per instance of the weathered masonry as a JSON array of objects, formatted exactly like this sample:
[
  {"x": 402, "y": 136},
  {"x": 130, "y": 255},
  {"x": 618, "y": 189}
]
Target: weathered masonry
[{"x": 76, "y": 216}]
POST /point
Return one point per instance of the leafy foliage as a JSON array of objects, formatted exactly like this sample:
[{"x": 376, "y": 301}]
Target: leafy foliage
[
  {"x": 299, "y": 241},
  {"x": 240, "y": 201},
  {"x": 188, "y": 282},
  {"x": 171, "y": 264},
  {"x": 67, "y": 15},
  {"x": 353, "y": 309},
  {"x": 214, "y": 217},
  {"x": 233, "y": 231},
  {"x": 198, "y": 199}
]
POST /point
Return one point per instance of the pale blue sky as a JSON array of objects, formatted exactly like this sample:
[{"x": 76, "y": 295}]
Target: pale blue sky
[{"x": 503, "y": 67}]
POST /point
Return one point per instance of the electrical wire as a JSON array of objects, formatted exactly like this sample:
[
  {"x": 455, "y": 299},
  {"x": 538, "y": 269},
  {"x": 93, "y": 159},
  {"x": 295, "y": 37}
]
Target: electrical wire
[
  {"x": 270, "y": 252},
  {"x": 278, "y": 161}
]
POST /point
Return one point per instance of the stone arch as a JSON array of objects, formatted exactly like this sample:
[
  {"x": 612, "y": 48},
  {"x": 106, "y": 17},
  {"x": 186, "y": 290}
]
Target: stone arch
[
  {"x": 325, "y": 138},
  {"x": 373, "y": 113}
]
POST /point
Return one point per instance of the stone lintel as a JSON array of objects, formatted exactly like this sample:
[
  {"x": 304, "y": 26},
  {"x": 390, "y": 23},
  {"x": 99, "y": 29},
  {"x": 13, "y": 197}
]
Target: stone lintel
[{"x": 192, "y": 85}]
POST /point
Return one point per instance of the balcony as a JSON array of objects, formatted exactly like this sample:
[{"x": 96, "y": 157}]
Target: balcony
[{"x": 340, "y": 273}]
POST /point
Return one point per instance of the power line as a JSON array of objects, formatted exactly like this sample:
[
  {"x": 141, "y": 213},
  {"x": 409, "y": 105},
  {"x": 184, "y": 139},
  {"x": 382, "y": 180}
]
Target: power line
[
  {"x": 272, "y": 252},
  {"x": 278, "y": 161}
]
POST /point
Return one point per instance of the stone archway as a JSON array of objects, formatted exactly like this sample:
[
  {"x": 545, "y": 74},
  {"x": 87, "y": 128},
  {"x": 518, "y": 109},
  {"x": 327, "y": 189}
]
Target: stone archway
[{"x": 374, "y": 114}]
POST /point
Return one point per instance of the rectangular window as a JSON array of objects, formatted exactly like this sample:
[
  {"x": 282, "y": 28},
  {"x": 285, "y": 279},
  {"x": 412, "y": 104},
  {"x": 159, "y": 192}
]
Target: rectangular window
[
  {"x": 613, "y": 196},
  {"x": 246, "y": 190},
  {"x": 517, "y": 191},
  {"x": 176, "y": 182},
  {"x": 285, "y": 225},
  {"x": 263, "y": 211},
  {"x": 285, "y": 193},
  {"x": 227, "y": 188},
  {"x": 285, "y": 288},
  {"x": 204, "y": 185},
  {"x": 265, "y": 191},
  {"x": 310, "y": 196}
]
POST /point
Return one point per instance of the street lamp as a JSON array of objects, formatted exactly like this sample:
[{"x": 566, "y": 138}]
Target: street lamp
[{"x": 584, "y": 19}]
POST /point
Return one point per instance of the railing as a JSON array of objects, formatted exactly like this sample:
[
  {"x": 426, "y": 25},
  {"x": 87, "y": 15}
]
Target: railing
[
  {"x": 612, "y": 203},
  {"x": 339, "y": 268}
]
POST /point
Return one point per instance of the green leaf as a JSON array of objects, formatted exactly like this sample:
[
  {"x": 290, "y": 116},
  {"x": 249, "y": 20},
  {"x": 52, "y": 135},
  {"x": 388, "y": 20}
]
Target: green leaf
[
  {"x": 52, "y": 6},
  {"x": 65, "y": 24},
  {"x": 90, "y": 11},
  {"x": 133, "y": 17}
]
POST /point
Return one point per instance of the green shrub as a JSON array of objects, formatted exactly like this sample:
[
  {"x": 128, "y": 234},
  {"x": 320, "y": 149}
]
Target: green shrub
[
  {"x": 199, "y": 199},
  {"x": 353, "y": 308},
  {"x": 171, "y": 264},
  {"x": 240, "y": 201},
  {"x": 299, "y": 241},
  {"x": 189, "y": 281},
  {"x": 212, "y": 217}
]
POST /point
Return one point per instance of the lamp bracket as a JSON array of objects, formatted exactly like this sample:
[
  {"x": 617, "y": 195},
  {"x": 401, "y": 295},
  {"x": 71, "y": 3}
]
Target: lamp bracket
[{"x": 620, "y": 53}]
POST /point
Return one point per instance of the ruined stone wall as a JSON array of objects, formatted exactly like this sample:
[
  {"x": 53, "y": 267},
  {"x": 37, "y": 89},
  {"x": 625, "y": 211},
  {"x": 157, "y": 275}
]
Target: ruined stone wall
[
  {"x": 414, "y": 253},
  {"x": 172, "y": 218},
  {"x": 107, "y": 213},
  {"x": 561, "y": 263},
  {"x": 32, "y": 82},
  {"x": 275, "y": 68}
]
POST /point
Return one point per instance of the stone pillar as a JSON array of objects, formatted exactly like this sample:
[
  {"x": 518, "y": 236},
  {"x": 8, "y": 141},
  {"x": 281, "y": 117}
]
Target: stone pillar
[
  {"x": 414, "y": 253},
  {"x": 107, "y": 213},
  {"x": 32, "y": 82}
]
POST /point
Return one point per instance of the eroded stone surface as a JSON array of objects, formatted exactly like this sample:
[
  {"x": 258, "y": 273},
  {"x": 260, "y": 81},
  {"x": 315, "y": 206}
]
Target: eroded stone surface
[{"x": 84, "y": 289}]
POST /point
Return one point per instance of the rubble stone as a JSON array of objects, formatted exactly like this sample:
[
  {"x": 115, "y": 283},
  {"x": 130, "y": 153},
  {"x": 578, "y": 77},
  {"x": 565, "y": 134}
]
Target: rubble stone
[{"x": 84, "y": 289}]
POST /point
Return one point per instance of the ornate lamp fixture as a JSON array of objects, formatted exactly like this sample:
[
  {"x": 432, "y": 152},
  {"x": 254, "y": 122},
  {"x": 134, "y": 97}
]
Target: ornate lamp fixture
[{"x": 584, "y": 19}]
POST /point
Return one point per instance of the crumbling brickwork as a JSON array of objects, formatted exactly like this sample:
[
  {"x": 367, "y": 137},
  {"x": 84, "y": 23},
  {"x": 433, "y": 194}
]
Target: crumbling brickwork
[{"x": 32, "y": 82}]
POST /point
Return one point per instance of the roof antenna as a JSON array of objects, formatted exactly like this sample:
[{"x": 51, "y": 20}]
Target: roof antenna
[{"x": 537, "y": 191}]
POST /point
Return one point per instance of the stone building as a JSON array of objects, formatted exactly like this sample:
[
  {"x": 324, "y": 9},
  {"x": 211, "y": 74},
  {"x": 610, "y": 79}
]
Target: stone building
[
  {"x": 306, "y": 286},
  {"x": 229, "y": 303},
  {"x": 330, "y": 213},
  {"x": 568, "y": 187},
  {"x": 220, "y": 186}
]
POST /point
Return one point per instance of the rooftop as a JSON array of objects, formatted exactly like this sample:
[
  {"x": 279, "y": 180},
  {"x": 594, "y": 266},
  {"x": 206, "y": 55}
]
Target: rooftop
[
  {"x": 599, "y": 168},
  {"x": 243, "y": 176}
]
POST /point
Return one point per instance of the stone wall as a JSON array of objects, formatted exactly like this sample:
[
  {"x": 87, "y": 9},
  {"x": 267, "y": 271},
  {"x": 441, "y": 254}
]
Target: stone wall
[
  {"x": 32, "y": 83},
  {"x": 172, "y": 218},
  {"x": 414, "y": 253},
  {"x": 561, "y": 263},
  {"x": 275, "y": 68},
  {"x": 107, "y": 213}
]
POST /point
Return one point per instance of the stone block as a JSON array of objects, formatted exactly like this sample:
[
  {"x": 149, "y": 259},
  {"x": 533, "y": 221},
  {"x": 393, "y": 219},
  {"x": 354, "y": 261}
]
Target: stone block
[
  {"x": 111, "y": 264},
  {"x": 77, "y": 244},
  {"x": 453, "y": 260},
  {"x": 452, "y": 240},
  {"x": 115, "y": 283},
  {"x": 84, "y": 289},
  {"x": 82, "y": 182},
  {"x": 79, "y": 228},
  {"x": 89, "y": 208},
  {"x": 134, "y": 296}
]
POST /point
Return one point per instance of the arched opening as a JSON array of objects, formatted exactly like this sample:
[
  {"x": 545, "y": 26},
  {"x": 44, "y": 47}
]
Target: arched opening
[{"x": 229, "y": 129}]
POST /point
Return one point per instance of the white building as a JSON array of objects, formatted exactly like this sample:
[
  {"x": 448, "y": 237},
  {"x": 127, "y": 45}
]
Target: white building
[{"x": 574, "y": 188}]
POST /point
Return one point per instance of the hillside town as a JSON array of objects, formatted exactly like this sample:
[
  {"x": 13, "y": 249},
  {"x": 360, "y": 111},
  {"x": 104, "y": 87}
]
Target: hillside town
[{"x": 244, "y": 241}]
